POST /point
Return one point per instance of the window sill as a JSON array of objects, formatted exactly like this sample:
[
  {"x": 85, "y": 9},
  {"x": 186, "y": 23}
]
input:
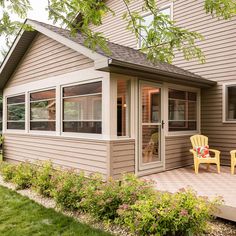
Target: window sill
[
  {"x": 12, "y": 131},
  {"x": 229, "y": 121},
  {"x": 42, "y": 132},
  {"x": 121, "y": 138},
  {"x": 56, "y": 135},
  {"x": 82, "y": 135}
]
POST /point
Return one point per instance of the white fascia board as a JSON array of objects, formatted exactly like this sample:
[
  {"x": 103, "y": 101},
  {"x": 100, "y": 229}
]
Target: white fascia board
[
  {"x": 11, "y": 50},
  {"x": 99, "y": 64},
  {"x": 67, "y": 42}
]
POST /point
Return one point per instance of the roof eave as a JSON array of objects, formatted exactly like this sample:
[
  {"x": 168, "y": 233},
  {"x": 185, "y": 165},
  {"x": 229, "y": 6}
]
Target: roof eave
[
  {"x": 118, "y": 66},
  {"x": 14, "y": 55}
]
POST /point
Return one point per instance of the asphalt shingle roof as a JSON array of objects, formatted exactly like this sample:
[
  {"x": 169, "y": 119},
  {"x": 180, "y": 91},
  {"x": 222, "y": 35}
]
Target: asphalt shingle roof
[{"x": 124, "y": 54}]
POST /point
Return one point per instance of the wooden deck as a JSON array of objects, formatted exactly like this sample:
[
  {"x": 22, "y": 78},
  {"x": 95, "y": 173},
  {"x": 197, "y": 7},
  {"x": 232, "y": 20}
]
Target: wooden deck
[{"x": 206, "y": 183}]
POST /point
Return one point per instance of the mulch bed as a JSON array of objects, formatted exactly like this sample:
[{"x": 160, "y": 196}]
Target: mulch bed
[{"x": 222, "y": 227}]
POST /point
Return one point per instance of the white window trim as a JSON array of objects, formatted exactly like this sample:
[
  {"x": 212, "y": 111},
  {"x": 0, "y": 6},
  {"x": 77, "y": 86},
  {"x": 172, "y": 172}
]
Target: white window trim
[
  {"x": 27, "y": 125},
  {"x": 75, "y": 134},
  {"x": 162, "y": 7},
  {"x": 5, "y": 111},
  {"x": 128, "y": 110},
  {"x": 71, "y": 78},
  {"x": 183, "y": 133},
  {"x": 224, "y": 103},
  {"x": 143, "y": 167}
]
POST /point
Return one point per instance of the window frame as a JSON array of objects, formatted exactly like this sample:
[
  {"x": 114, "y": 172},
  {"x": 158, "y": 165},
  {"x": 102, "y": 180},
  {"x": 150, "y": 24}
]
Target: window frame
[
  {"x": 28, "y": 111},
  {"x": 225, "y": 103},
  {"x": 198, "y": 118},
  {"x": 79, "y": 134},
  {"x": 161, "y": 8},
  {"x": 128, "y": 108},
  {"x": 5, "y": 110}
]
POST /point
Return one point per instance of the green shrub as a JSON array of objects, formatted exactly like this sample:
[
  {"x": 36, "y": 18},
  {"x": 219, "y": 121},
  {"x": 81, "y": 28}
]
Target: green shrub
[
  {"x": 103, "y": 199},
  {"x": 42, "y": 182},
  {"x": 7, "y": 171},
  {"x": 131, "y": 202},
  {"x": 182, "y": 213},
  {"x": 67, "y": 186},
  {"x": 24, "y": 175},
  {"x": 133, "y": 188}
]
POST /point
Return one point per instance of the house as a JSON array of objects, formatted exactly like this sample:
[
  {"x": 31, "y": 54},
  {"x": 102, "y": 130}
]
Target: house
[{"x": 118, "y": 113}]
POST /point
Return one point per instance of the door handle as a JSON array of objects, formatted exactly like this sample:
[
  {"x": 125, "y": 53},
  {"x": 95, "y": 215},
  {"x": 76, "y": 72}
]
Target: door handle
[{"x": 162, "y": 124}]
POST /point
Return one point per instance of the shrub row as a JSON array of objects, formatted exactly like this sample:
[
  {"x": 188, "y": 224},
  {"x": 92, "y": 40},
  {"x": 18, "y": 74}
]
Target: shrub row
[{"x": 130, "y": 202}]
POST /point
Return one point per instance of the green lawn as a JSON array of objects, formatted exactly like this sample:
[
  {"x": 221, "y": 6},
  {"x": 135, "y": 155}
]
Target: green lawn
[{"x": 21, "y": 216}]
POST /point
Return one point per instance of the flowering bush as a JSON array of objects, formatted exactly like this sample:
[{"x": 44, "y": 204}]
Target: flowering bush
[
  {"x": 130, "y": 202},
  {"x": 103, "y": 199},
  {"x": 67, "y": 186},
  {"x": 182, "y": 213}
]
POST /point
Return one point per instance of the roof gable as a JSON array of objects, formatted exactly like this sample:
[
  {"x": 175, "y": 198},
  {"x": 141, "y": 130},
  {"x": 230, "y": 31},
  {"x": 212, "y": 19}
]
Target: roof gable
[
  {"x": 121, "y": 56},
  {"x": 45, "y": 58},
  {"x": 23, "y": 41}
]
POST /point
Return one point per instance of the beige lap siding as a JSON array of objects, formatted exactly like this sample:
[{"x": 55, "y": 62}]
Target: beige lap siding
[
  {"x": 222, "y": 136},
  {"x": 89, "y": 156},
  {"x": 219, "y": 47},
  {"x": 46, "y": 58},
  {"x": 177, "y": 152},
  {"x": 115, "y": 27},
  {"x": 122, "y": 157}
]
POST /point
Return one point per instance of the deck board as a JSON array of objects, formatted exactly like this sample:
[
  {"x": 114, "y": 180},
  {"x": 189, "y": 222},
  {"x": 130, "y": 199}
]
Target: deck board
[{"x": 206, "y": 183}]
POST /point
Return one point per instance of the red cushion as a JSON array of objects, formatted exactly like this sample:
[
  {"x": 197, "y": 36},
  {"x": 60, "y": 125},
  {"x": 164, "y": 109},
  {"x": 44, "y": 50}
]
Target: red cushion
[{"x": 202, "y": 151}]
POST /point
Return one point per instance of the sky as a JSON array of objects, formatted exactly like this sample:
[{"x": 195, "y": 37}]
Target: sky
[{"x": 38, "y": 13}]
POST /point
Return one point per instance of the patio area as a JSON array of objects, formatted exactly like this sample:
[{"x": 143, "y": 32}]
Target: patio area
[{"x": 206, "y": 183}]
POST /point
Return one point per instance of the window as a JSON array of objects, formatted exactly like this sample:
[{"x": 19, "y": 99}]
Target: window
[
  {"x": 1, "y": 115},
  {"x": 82, "y": 108},
  {"x": 123, "y": 93},
  {"x": 182, "y": 110},
  {"x": 148, "y": 21},
  {"x": 43, "y": 110},
  {"x": 231, "y": 103},
  {"x": 154, "y": 101},
  {"x": 16, "y": 112}
]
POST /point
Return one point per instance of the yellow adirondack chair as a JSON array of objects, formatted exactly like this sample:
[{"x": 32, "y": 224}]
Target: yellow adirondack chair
[
  {"x": 201, "y": 140},
  {"x": 233, "y": 160}
]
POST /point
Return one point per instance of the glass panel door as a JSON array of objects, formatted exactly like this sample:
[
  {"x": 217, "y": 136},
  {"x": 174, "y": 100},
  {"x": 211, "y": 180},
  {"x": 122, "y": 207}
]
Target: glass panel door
[{"x": 150, "y": 122}]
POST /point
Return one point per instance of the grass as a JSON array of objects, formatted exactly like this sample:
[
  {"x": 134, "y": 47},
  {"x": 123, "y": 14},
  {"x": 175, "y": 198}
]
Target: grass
[{"x": 22, "y": 216}]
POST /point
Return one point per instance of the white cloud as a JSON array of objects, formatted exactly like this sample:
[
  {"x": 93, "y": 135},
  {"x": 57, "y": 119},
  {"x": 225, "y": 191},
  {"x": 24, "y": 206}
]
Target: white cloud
[{"x": 38, "y": 13}]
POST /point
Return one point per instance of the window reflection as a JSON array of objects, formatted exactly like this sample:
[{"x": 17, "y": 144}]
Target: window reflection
[
  {"x": 82, "y": 108},
  {"x": 123, "y": 93},
  {"x": 43, "y": 110},
  {"x": 16, "y": 112},
  {"x": 182, "y": 110}
]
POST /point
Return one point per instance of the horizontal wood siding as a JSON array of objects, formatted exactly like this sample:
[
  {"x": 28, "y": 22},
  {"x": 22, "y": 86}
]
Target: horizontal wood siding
[
  {"x": 177, "y": 152},
  {"x": 122, "y": 157},
  {"x": 82, "y": 154},
  {"x": 115, "y": 27},
  {"x": 219, "y": 45},
  {"x": 222, "y": 136},
  {"x": 46, "y": 58},
  {"x": 219, "y": 48}
]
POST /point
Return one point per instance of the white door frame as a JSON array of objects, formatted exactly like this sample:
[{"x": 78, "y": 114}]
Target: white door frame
[{"x": 153, "y": 166}]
